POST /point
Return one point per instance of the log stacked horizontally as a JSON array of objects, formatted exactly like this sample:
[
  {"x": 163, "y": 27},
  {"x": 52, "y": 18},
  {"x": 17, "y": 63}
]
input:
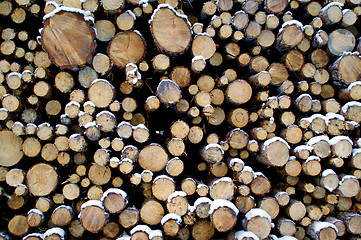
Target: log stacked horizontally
[{"x": 162, "y": 119}]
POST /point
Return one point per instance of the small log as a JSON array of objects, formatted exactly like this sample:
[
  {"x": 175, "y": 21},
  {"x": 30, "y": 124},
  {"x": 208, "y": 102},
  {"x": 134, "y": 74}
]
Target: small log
[
  {"x": 178, "y": 34},
  {"x": 114, "y": 200},
  {"x": 322, "y": 230},
  {"x": 153, "y": 157},
  {"x": 41, "y": 179},
  {"x": 162, "y": 187},
  {"x": 258, "y": 221},
  {"x": 223, "y": 215},
  {"x": 274, "y": 152},
  {"x": 126, "y": 47},
  {"x": 62, "y": 216},
  {"x": 129, "y": 217},
  {"x": 64, "y": 56},
  {"x": 151, "y": 212},
  {"x": 90, "y": 210}
]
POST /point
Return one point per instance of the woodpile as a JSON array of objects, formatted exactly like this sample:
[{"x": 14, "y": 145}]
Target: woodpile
[{"x": 162, "y": 119}]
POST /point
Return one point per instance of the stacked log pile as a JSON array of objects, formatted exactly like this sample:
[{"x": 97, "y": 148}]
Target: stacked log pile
[{"x": 162, "y": 119}]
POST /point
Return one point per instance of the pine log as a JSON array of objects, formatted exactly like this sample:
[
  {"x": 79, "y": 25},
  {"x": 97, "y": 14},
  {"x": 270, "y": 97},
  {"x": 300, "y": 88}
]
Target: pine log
[
  {"x": 66, "y": 57},
  {"x": 126, "y": 47}
]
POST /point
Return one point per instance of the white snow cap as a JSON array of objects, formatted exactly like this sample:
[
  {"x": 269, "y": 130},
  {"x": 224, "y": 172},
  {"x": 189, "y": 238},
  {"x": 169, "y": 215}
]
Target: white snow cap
[
  {"x": 293, "y": 22},
  {"x": 115, "y": 191},
  {"x": 318, "y": 226},
  {"x": 176, "y": 194},
  {"x": 337, "y": 139},
  {"x": 140, "y": 228},
  {"x": 345, "y": 107},
  {"x": 287, "y": 238},
  {"x": 218, "y": 203},
  {"x": 198, "y": 58},
  {"x": 131, "y": 14},
  {"x": 214, "y": 145},
  {"x": 171, "y": 216},
  {"x": 327, "y": 172},
  {"x": 202, "y": 200},
  {"x": 155, "y": 233},
  {"x": 303, "y": 147},
  {"x": 35, "y": 210},
  {"x": 174, "y": 11},
  {"x": 276, "y": 139},
  {"x": 335, "y": 116},
  {"x": 346, "y": 177},
  {"x": 124, "y": 237},
  {"x": 92, "y": 203},
  {"x": 55, "y": 230},
  {"x": 313, "y": 158},
  {"x": 163, "y": 177},
  {"x": 317, "y": 139},
  {"x": 35, "y": 235},
  {"x": 234, "y": 161},
  {"x": 258, "y": 212},
  {"x": 240, "y": 235},
  {"x": 67, "y": 9},
  {"x": 223, "y": 179}
]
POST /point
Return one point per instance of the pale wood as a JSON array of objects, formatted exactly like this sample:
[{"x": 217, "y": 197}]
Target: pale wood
[
  {"x": 53, "y": 43},
  {"x": 93, "y": 218},
  {"x": 62, "y": 216},
  {"x": 151, "y": 212},
  {"x": 173, "y": 39},
  {"x": 41, "y": 179},
  {"x": 126, "y": 47},
  {"x": 153, "y": 157}
]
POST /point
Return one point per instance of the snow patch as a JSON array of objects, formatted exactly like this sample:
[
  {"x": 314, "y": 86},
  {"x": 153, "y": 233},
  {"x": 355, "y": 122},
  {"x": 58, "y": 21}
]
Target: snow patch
[
  {"x": 55, "y": 230},
  {"x": 218, "y": 203},
  {"x": 202, "y": 200},
  {"x": 176, "y": 194},
  {"x": 116, "y": 191},
  {"x": 240, "y": 235},
  {"x": 141, "y": 228},
  {"x": 275, "y": 139},
  {"x": 171, "y": 216},
  {"x": 258, "y": 212}
]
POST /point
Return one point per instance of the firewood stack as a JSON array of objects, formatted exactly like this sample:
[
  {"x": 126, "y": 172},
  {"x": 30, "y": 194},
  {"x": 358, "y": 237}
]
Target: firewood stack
[{"x": 150, "y": 120}]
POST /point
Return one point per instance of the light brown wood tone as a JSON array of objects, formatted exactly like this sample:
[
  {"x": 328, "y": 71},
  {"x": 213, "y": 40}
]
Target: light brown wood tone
[
  {"x": 126, "y": 47},
  {"x": 153, "y": 157},
  {"x": 177, "y": 203},
  {"x": 18, "y": 226},
  {"x": 203, "y": 230},
  {"x": 259, "y": 225},
  {"x": 93, "y": 218},
  {"x": 172, "y": 38},
  {"x": 62, "y": 216},
  {"x": 223, "y": 218},
  {"x": 129, "y": 217},
  {"x": 34, "y": 218},
  {"x": 315, "y": 230},
  {"x": 151, "y": 212},
  {"x": 203, "y": 45},
  {"x": 296, "y": 210},
  {"x": 238, "y": 92},
  {"x": 64, "y": 56},
  {"x": 260, "y": 185},
  {"x": 181, "y": 76},
  {"x": 289, "y": 35},
  {"x": 162, "y": 187},
  {"x": 41, "y": 179}
]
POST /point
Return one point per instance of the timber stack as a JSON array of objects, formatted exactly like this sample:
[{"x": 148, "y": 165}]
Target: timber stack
[{"x": 180, "y": 119}]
